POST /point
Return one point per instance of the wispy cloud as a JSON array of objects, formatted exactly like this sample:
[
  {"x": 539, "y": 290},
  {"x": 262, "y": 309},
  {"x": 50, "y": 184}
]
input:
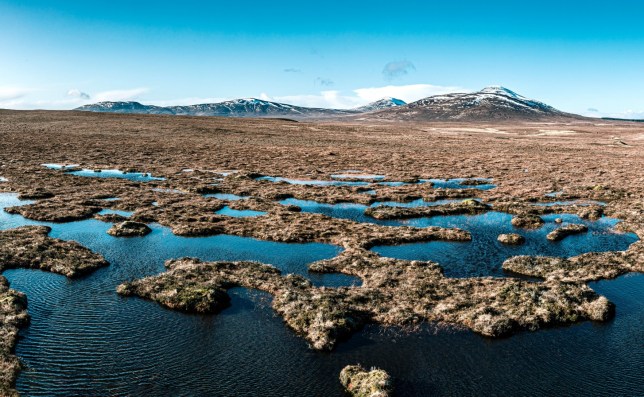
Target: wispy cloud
[
  {"x": 292, "y": 70},
  {"x": 120, "y": 95},
  {"x": 22, "y": 98},
  {"x": 324, "y": 82},
  {"x": 325, "y": 99},
  {"x": 12, "y": 93},
  {"x": 395, "y": 69},
  {"x": 627, "y": 114},
  {"x": 187, "y": 101},
  {"x": 78, "y": 94}
]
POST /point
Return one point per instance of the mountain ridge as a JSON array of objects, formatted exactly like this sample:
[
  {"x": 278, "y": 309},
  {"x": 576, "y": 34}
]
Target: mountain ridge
[
  {"x": 243, "y": 107},
  {"x": 490, "y": 103}
]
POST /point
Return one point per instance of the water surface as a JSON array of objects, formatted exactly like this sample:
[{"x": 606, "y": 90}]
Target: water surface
[
  {"x": 108, "y": 211},
  {"x": 355, "y": 212},
  {"x": 226, "y": 196},
  {"x": 84, "y": 340},
  {"x": 457, "y": 183},
  {"x": 227, "y": 211},
  {"x": 484, "y": 255},
  {"x": 358, "y": 176},
  {"x": 132, "y": 176}
]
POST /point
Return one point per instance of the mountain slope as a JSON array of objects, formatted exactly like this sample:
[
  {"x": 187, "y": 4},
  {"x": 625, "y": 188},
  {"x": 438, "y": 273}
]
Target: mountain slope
[
  {"x": 250, "y": 107},
  {"x": 384, "y": 103},
  {"x": 253, "y": 108},
  {"x": 491, "y": 103},
  {"x": 124, "y": 107}
]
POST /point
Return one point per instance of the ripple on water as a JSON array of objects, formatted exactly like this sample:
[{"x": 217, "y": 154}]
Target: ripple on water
[
  {"x": 356, "y": 212},
  {"x": 484, "y": 255},
  {"x": 84, "y": 340}
]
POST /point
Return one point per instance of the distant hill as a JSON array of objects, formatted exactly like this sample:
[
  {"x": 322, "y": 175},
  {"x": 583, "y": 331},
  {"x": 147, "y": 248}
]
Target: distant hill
[
  {"x": 250, "y": 107},
  {"x": 491, "y": 103},
  {"x": 384, "y": 103},
  {"x": 618, "y": 119}
]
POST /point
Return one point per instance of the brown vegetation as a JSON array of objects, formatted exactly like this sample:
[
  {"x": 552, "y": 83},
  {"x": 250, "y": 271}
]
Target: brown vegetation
[
  {"x": 129, "y": 229},
  {"x": 394, "y": 292},
  {"x": 524, "y": 163},
  {"x": 564, "y": 231},
  {"x": 359, "y": 382}
]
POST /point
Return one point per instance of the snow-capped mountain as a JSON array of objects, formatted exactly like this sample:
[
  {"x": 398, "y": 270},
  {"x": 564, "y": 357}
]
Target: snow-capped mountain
[
  {"x": 384, "y": 103},
  {"x": 124, "y": 107},
  {"x": 490, "y": 103},
  {"x": 249, "y": 107}
]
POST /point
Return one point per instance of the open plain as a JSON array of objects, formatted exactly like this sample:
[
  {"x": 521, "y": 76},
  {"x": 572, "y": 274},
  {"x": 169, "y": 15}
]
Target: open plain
[{"x": 585, "y": 167}]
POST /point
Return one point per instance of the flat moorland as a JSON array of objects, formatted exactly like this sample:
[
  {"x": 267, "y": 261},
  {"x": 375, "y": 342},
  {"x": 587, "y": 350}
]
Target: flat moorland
[{"x": 570, "y": 165}]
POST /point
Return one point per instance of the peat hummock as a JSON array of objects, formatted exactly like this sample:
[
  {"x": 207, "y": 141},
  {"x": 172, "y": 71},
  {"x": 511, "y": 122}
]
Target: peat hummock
[
  {"x": 568, "y": 230},
  {"x": 359, "y": 382},
  {"x": 394, "y": 293},
  {"x": 31, "y": 247},
  {"x": 524, "y": 162},
  {"x": 129, "y": 229}
]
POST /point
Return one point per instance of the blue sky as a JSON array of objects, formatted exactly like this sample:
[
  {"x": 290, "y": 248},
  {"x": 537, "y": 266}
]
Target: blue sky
[{"x": 575, "y": 56}]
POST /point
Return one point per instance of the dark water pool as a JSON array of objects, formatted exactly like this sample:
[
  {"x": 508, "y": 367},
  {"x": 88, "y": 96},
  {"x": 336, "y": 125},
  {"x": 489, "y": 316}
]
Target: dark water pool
[
  {"x": 458, "y": 183},
  {"x": 484, "y": 255},
  {"x": 84, "y": 340},
  {"x": 355, "y": 212},
  {"x": 247, "y": 351}
]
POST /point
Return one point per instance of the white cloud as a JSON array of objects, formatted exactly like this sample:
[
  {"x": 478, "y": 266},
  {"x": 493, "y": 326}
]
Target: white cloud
[
  {"x": 325, "y": 99},
  {"x": 362, "y": 96},
  {"x": 186, "y": 101},
  {"x": 631, "y": 114},
  {"x": 120, "y": 95},
  {"x": 12, "y": 93},
  {"x": 407, "y": 93},
  {"x": 27, "y": 104},
  {"x": 627, "y": 114},
  {"x": 21, "y": 98}
]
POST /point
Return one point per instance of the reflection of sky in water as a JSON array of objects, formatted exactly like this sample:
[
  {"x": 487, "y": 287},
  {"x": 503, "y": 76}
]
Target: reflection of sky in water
[
  {"x": 227, "y": 211},
  {"x": 226, "y": 196},
  {"x": 484, "y": 255}
]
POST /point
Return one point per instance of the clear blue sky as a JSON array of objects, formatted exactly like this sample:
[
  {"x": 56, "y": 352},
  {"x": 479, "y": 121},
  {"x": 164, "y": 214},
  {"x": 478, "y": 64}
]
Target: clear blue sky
[{"x": 574, "y": 55}]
